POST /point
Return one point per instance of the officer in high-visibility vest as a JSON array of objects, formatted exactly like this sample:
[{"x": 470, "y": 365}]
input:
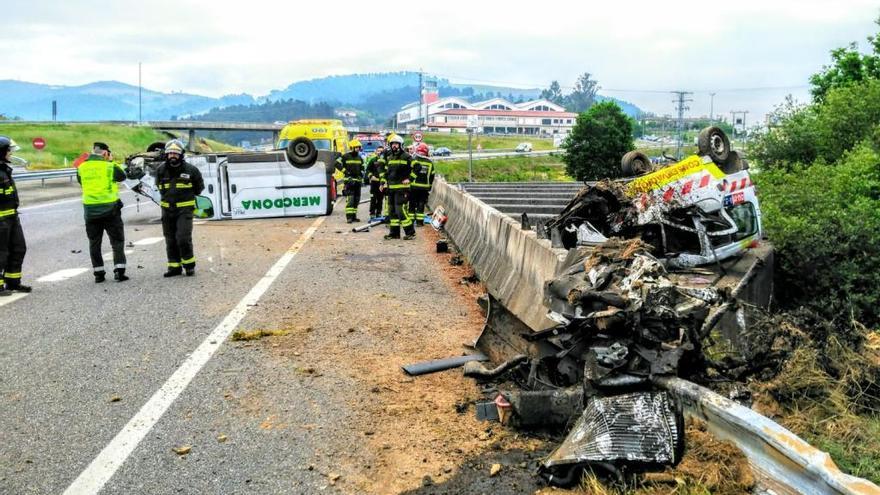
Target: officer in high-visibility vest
[
  {"x": 102, "y": 209},
  {"x": 420, "y": 187},
  {"x": 179, "y": 183},
  {"x": 395, "y": 183},
  {"x": 12, "y": 245},
  {"x": 373, "y": 176},
  {"x": 352, "y": 166}
]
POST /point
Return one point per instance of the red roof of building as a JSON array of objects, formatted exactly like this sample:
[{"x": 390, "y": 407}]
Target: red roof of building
[{"x": 508, "y": 113}]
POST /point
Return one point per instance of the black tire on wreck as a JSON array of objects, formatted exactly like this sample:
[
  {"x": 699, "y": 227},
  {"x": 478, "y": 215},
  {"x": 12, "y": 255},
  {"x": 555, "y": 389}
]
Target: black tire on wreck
[
  {"x": 635, "y": 163},
  {"x": 713, "y": 142},
  {"x": 302, "y": 152}
]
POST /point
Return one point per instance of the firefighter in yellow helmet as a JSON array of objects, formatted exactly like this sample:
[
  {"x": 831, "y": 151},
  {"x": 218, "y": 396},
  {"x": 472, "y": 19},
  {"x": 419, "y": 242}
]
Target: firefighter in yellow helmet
[
  {"x": 395, "y": 183},
  {"x": 352, "y": 166}
]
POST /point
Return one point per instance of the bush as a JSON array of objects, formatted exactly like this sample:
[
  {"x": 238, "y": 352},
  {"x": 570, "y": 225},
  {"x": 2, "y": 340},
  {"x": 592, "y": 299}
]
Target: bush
[
  {"x": 825, "y": 131},
  {"x": 824, "y": 221},
  {"x": 597, "y": 142}
]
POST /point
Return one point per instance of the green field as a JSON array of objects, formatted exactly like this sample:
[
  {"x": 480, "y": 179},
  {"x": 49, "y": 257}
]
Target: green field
[
  {"x": 506, "y": 169},
  {"x": 459, "y": 142},
  {"x": 67, "y": 141}
]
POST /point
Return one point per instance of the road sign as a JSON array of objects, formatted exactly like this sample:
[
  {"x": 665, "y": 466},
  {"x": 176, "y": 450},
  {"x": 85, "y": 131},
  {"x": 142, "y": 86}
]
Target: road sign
[
  {"x": 417, "y": 136},
  {"x": 39, "y": 143}
]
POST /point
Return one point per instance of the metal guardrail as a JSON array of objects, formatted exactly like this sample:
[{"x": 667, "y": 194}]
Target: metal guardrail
[
  {"x": 782, "y": 461},
  {"x": 42, "y": 175}
]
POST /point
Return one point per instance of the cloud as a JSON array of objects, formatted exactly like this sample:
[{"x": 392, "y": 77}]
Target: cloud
[{"x": 223, "y": 47}]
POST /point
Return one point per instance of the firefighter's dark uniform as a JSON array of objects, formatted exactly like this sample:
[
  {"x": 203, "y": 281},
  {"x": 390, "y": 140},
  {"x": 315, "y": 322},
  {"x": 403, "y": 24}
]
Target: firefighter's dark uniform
[
  {"x": 421, "y": 179},
  {"x": 397, "y": 169},
  {"x": 102, "y": 210},
  {"x": 374, "y": 176},
  {"x": 352, "y": 166},
  {"x": 12, "y": 245},
  {"x": 178, "y": 187}
]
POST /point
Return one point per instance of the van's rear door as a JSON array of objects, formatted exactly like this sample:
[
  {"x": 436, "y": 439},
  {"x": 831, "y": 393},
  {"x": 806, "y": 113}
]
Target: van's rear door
[{"x": 266, "y": 185}]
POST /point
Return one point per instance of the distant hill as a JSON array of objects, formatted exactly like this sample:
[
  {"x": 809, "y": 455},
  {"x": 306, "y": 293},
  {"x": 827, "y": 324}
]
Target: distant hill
[
  {"x": 377, "y": 97},
  {"x": 103, "y": 100}
]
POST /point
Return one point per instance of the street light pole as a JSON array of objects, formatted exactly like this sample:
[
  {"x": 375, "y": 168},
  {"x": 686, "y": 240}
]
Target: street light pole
[
  {"x": 140, "y": 90},
  {"x": 470, "y": 133}
]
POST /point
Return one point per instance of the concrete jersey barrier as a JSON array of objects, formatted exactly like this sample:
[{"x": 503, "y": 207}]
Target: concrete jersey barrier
[{"x": 513, "y": 263}]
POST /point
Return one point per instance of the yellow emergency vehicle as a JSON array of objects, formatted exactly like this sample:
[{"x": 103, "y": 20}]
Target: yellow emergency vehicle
[{"x": 326, "y": 134}]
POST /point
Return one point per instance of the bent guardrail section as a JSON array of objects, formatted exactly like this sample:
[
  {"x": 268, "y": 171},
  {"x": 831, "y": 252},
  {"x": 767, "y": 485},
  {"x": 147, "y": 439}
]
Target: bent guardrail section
[{"x": 782, "y": 461}]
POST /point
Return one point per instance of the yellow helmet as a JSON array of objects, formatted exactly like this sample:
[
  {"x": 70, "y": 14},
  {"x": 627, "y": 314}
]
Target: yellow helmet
[
  {"x": 354, "y": 143},
  {"x": 394, "y": 138},
  {"x": 391, "y": 136}
]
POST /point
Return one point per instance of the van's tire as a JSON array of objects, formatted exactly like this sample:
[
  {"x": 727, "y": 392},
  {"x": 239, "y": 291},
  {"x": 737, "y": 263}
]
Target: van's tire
[
  {"x": 734, "y": 163},
  {"x": 712, "y": 142},
  {"x": 635, "y": 163},
  {"x": 302, "y": 152}
]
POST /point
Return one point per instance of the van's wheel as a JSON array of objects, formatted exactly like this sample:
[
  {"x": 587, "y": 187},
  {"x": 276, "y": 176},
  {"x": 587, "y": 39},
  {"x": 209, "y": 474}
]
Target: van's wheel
[
  {"x": 302, "y": 152},
  {"x": 635, "y": 163},
  {"x": 734, "y": 163},
  {"x": 712, "y": 142}
]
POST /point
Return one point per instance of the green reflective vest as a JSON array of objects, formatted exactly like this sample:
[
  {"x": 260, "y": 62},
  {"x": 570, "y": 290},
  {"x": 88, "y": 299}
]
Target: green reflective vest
[{"x": 98, "y": 184}]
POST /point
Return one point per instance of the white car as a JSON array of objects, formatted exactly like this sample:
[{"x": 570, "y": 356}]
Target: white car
[{"x": 523, "y": 147}]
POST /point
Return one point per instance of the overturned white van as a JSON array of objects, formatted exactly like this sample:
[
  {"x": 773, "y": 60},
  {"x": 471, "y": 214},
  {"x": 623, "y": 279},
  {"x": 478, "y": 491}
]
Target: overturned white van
[{"x": 294, "y": 182}]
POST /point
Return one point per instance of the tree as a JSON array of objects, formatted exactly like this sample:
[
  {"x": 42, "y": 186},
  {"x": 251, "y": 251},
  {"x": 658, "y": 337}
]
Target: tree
[
  {"x": 848, "y": 66},
  {"x": 597, "y": 142},
  {"x": 553, "y": 93},
  {"x": 584, "y": 94}
]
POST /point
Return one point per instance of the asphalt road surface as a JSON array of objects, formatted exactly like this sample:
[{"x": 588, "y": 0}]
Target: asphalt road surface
[{"x": 100, "y": 382}]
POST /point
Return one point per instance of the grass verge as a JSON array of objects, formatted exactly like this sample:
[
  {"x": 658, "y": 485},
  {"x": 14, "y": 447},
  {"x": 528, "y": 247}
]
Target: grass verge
[{"x": 506, "y": 169}]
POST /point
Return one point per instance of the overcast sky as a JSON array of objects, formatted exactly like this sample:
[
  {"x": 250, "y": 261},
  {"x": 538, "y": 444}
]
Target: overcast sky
[{"x": 637, "y": 50}]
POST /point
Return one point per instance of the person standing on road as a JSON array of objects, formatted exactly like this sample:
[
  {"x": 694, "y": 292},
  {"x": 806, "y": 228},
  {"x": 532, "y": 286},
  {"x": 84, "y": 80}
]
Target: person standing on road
[
  {"x": 422, "y": 178},
  {"x": 102, "y": 209},
  {"x": 395, "y": 181},
  {"x": 179, "y": 183},
  {"x": 352, "y": 166},
  {"x": 373, "y": 175},
  {"x": 12, "y": 245}
]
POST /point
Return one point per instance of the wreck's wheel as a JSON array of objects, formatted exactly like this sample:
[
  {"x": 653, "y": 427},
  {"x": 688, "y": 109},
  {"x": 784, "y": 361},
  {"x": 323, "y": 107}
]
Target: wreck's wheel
[
  {"x": 635, "y": 163},
  {"x": 712, "y": 142},
  {"x": 734, "y": 163},
  {"x": 301, "y": 152}
]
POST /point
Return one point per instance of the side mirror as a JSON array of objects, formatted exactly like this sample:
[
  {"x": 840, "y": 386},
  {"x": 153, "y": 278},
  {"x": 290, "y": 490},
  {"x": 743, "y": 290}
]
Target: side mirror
[{"x": 204, "y": 207}]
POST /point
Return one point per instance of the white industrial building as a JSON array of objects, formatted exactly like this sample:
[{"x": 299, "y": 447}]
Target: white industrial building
[{"x": 496, "y": 116}]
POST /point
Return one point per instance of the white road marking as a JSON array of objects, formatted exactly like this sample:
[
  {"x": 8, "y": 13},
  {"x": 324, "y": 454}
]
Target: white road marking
[
  {"x": 12, "y": 298},
  {"x": 109, "y": 256},
  {"x": 200, "y": 222},
  {"x": 102, "y": 468},
  {"x": 62, "y": 275},
  {"x": 47, "y": 205},
  {"x": 148, "y": 240}
]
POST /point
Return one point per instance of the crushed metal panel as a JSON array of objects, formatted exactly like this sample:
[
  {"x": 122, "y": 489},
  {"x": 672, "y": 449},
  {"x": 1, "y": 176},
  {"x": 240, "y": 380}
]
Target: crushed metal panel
[{"x": 640, "y": 427}]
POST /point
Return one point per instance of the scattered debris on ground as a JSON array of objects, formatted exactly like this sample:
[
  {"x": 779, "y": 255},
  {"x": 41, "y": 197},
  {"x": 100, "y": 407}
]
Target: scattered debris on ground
[{"x": 241, "y": 335}]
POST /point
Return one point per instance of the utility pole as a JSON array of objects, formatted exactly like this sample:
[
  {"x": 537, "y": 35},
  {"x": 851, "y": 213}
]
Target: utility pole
[
  {"x": 680, "y": 106},
  {"x": 140, "y": 99},
  {"x": 711, "y": 107},
  {"x": 422, "y": 117}
]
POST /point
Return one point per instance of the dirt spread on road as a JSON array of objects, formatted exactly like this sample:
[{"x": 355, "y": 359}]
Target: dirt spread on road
[{"x": 381, "y": 305}]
